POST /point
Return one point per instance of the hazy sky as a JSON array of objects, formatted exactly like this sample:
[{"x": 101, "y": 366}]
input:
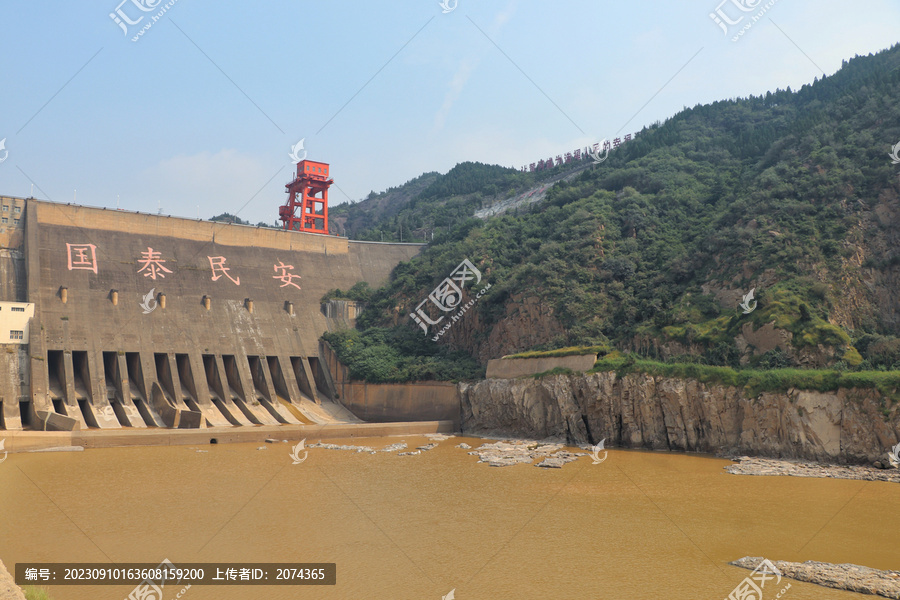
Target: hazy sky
[{"x": 200, "y": 113}]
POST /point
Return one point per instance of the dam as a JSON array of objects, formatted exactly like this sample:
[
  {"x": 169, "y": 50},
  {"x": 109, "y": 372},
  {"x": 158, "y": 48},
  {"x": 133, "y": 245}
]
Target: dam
[{"x": 112, "y": 319}]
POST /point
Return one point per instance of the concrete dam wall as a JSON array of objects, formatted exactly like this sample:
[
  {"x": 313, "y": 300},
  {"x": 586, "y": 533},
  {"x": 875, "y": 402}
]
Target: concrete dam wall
[{"x": 152, "y": 321}]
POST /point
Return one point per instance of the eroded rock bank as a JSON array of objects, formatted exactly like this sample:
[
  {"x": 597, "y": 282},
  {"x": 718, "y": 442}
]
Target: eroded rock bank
[
  {"x": 854, "y": 578},
  {"x": 8, "y": 588},
  {"x": 660, "y": 413},
  {"x": 795, "y": 468}
]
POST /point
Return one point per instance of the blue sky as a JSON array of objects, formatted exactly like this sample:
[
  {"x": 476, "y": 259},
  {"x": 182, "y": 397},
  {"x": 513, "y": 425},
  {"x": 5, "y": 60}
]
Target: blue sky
[{"x": 200, "y": 113}]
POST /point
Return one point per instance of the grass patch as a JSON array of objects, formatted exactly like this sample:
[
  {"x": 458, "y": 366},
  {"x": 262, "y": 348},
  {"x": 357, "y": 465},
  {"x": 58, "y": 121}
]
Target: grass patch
[
  {"x": 753, "y": 381},
  {"x": 36, "y": 593},
  {"x": 569, "y": 351}
]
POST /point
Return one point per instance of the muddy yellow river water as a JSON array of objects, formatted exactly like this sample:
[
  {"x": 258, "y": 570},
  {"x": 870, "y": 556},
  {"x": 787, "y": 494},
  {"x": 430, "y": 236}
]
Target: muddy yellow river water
[{"x": 639, "y": 525}]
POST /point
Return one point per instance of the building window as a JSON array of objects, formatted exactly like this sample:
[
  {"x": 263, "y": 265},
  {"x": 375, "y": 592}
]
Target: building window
[
  {"x": 15, "y": 221},
  {"x": 15, "y": 334},
  {"x": 5, "y": 208},
  {"x": 4, "y": 220},
  {"x": 17, "y": 209},
  {"x": 18, "y": 309}
]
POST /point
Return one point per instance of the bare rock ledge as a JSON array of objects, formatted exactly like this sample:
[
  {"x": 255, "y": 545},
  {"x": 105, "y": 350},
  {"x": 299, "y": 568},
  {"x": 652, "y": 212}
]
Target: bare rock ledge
[
  {"x": 798, "y": 468},
  {"x": 8, "y": 588},
  {"x": 853, "y": 578}
]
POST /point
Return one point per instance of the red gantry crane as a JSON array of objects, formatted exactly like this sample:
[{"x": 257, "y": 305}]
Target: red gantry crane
[{"x": 307, "y": 206}]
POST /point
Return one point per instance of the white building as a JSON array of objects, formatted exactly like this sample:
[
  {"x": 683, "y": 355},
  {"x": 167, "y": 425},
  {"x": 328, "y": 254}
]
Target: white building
[{"x": 15, "y": 321}]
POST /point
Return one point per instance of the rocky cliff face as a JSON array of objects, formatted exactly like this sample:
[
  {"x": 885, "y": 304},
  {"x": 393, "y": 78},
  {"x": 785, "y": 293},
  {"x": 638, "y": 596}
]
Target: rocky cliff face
[
  {"x": 643, "y": 411},
  {"x": 527, "y": 321}
]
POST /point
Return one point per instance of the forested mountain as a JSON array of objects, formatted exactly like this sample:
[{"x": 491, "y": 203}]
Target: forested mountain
[
  {"x": 430, "y": 205},
  {"x": 792, "y": 194},
  {"x": 356, "y": 220}
]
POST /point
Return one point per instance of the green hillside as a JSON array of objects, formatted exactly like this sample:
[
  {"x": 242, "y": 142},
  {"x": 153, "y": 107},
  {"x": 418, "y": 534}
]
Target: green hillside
[
  {"x": 429, "y": 206},
  {"x": 791, "y": 194}
]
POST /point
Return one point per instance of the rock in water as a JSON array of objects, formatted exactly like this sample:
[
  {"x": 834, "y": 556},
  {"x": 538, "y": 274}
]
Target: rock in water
[
  {"x": 356, "y": 449},
  {"x": 506, "y": 453},
  {"x": 556, "y": 461},
  {"x": 770, "y": 466},
  {"x": 853, "y": 578},
  {"x": 394, "y": 447}
]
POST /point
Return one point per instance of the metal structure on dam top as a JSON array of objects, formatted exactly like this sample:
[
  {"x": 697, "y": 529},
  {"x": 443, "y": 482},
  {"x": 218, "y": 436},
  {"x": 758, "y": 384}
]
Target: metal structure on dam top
[{"x": 308, "y": 192}]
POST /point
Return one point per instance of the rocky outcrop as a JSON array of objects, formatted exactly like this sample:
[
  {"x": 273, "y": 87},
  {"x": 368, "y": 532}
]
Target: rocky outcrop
[
  {"x": 644, "y": 411},
  {"x": 527, "y": 321},
  {"x": 356, "y": 449},
  {"x": 506, "y": 453},
  {"x": 854, "y": 578},
  {"x": 8, "y": 588},
  {"x": 795, "y": 468}
]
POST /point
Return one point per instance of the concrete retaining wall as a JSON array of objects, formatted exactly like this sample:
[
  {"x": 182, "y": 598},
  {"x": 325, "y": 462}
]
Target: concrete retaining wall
[
  {"x": 510, "y": 368},
  {"x": 387, "y": 402}
]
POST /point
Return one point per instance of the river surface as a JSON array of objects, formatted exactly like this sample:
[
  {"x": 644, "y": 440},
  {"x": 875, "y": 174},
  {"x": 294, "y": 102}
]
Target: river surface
[{"x": 640, "y": 525}]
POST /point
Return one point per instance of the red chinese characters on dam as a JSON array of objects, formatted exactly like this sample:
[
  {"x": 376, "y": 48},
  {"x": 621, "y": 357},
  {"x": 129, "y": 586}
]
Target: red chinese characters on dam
[
  {"x": 217, "y": 263},
  {"x": 285, "y": 277},
  {"x": 152, "y": 262},
  {"x": 83, "y": 257}
]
